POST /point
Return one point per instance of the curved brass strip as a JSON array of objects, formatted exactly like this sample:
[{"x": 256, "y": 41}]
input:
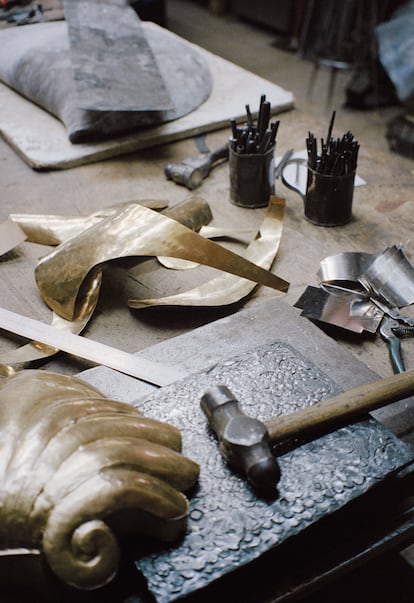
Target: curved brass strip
[
  {"x": 132, "y": 231},
  {"x": 209, "y": 232},
  {"x": 52, "y": 230},
  {"x": 194, "y": 212},
  {"x": 35, "y": 351},
  {"x": 228, "y": 289}
]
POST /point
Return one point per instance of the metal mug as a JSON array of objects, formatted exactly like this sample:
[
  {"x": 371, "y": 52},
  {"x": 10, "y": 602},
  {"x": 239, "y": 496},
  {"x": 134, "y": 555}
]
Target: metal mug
[
  {"x": 327, "y": 199},
  {"x": 252, "y": 178}
]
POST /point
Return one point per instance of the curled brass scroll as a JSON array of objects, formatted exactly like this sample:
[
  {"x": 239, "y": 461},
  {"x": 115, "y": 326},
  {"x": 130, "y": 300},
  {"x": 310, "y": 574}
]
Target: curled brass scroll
[
  {"x": 79, "y": 472},
  {"x": 227, "y": 288},
  {"x": 64, "y": 274}
]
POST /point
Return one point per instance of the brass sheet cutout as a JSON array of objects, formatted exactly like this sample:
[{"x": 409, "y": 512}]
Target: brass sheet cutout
[
  {"x": 11, "y": 235},
  {"x": 227, "y": 288},
  {"x": 45, "y": 229},
  {"x": 193, "y": 212},
  {"x": 54, "y": 229},
  {"x": 67, "y": 272}
]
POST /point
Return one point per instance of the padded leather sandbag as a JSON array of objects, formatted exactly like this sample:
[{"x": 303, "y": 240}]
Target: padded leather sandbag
[{"x": 35, "y": 61}]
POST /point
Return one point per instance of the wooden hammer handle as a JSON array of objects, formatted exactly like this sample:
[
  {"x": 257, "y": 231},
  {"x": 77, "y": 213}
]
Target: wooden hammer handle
[{"x": 346, "y": 406}]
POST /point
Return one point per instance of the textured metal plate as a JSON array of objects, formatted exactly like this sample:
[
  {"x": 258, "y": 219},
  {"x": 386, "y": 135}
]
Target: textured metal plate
[
  {"x": 228, "y": 525},
  {"x": 114, "y": 67}
]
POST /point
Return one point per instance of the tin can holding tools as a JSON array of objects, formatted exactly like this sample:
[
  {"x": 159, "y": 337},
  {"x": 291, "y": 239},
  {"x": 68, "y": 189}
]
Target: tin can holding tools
[
  {"x": 251, "y": 158},
  {"x": 252, "y": 178}
]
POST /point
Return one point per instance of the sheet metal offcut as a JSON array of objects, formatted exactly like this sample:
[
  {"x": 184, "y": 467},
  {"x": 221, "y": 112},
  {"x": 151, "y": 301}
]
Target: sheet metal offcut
[
  {"x": 63, "y": 275},
  {"x": 346, "y": 310},
  {"x": 230, "y": 288},
  {"x": 357, "y": 289}
]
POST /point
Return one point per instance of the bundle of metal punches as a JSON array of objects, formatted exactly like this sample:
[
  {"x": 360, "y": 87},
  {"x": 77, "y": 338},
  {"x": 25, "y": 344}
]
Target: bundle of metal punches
[{"x": 255, "y": 137}]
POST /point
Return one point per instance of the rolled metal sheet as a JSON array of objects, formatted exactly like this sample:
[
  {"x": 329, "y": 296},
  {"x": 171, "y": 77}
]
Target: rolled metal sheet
[
  {"x": 346, "y": 266},
  {"x": 391, "y": 277}
]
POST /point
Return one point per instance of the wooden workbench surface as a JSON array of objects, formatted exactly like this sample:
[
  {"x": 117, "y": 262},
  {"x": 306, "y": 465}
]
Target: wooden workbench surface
[{"x": 382, "y": 217}]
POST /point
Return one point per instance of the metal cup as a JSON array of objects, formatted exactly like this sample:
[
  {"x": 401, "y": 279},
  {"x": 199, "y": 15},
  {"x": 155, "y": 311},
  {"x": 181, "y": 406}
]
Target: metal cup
[
  {"x": 327, "y": 199},
  {"x": 252, "y": 178}
]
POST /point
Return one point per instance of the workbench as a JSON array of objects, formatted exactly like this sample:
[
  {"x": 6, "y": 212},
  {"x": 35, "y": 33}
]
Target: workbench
[{"x": 382, "y": 217}]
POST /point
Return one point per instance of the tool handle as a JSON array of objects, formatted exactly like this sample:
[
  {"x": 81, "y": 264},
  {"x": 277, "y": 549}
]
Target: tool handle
[
  {"x": 347, "y": 406},
  {"x": 298, "y": 162},
  {"x": 221, "y": 153},
  {"x": 394, "y": 349}
]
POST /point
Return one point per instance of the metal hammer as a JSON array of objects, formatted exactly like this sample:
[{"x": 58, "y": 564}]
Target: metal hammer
[
  {"x": 191, "y": 172},
  {"x": 247, "y": 443},
  {"x": 243, "y": 441}
]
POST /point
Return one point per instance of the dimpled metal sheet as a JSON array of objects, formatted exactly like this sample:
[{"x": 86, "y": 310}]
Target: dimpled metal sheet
[{"x": 229, "y": 526}]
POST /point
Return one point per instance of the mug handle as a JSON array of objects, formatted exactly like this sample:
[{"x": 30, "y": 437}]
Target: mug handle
[{"x": 298, "y": 161}]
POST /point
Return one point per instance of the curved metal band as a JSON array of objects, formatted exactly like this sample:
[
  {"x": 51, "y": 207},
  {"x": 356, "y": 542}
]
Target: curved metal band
[
  {"x": 227, "y": 288},
  {"x": 133, "y": 231}
]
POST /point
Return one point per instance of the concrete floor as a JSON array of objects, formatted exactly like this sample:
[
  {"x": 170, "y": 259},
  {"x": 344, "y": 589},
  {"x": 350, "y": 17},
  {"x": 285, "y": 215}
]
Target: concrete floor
[{"x": 260, "y": 50}]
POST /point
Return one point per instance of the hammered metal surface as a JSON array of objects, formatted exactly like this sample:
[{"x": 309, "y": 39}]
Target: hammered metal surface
[{"x": 228, "y": 525}]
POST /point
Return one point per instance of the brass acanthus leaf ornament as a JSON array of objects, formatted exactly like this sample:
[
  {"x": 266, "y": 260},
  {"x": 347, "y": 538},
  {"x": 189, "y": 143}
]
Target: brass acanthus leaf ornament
[{"x": 79, "y": 471}]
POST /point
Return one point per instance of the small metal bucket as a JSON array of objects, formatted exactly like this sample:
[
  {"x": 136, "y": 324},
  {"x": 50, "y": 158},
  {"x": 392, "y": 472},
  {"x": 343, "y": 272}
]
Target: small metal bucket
[{"x": 252, "y": 178}]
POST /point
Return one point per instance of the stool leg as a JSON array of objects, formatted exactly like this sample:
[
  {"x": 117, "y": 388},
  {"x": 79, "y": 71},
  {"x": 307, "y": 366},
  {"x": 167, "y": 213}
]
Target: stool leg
[
  {"x": 332, "y": 81},
  {"x": 312, "y": 80}
]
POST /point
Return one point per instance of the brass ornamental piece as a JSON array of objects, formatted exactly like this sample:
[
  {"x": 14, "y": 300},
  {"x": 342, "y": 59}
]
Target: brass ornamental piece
[
  {"x": 67, "y": 272},
  {"x": 79, "y": 472}
]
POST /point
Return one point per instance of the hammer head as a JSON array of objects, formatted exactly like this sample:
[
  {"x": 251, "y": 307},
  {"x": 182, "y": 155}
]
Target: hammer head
[
  {"x": 192, "y": 171},
  {"x": 188, "y": 173},
  {"x": 243, "y": 440}
]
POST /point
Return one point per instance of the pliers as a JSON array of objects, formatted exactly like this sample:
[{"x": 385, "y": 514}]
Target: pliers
[{"x": 392, "y": 331}]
